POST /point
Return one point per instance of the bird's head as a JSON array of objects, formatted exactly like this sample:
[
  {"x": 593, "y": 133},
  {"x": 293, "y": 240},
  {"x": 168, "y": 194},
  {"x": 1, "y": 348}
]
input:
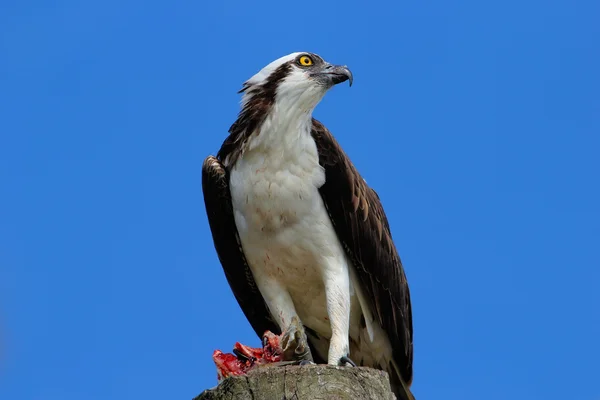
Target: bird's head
[{"x": 298, "y": 80}]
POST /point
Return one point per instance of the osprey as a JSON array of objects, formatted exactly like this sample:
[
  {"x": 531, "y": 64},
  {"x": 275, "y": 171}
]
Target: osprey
[{"x": 303, "y": 240}]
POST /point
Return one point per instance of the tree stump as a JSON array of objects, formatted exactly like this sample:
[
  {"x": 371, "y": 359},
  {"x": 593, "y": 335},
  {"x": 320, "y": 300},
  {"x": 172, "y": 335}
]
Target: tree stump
[{"x": 310, "y": 382}]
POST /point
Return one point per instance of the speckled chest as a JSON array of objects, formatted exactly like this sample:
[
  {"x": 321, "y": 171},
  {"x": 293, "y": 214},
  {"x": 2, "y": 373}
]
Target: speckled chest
[{"x": 272, "y": 190}]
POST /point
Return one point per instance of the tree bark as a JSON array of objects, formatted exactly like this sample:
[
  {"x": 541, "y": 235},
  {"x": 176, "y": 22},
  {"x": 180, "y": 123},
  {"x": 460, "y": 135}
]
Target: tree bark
[{"x": 310, "y": 382}]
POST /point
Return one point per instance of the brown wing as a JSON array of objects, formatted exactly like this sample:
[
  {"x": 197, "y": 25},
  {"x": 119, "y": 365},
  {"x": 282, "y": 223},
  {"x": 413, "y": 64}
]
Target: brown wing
[
  {"x": 362, "y": 227},
  {"x": 217, "y": 199}
]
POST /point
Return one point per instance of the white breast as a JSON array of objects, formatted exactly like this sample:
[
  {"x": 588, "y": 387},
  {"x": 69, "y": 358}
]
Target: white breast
[{"x": 271, "y": 190}]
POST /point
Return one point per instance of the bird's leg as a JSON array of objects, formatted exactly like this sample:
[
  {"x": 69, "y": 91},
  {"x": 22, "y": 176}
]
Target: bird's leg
[
  {"x": 337, "y": 293},
  {"x": 294, "y": 343}
]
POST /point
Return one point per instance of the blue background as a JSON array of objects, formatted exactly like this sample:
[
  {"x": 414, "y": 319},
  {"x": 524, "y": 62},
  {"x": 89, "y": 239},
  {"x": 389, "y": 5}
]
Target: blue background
[{"x": 477, "y": 122}]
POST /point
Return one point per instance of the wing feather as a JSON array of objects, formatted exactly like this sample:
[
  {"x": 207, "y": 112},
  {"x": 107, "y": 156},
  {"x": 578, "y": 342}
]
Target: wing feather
[{"x": 361, "y": 225}]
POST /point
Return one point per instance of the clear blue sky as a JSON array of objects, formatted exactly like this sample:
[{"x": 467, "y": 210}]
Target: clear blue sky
[{"x": 477, "y": 122}]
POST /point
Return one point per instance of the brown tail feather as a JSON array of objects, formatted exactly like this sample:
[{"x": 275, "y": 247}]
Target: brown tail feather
[{"x": 399, "y": 387}]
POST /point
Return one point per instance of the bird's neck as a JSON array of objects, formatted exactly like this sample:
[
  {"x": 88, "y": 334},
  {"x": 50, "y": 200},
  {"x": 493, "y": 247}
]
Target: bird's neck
[{"x": 285, "y": 127}]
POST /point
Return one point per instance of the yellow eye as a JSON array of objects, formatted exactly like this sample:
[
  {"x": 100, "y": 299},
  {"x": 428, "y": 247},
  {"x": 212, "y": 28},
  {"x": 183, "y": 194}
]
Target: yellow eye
[{"x": 306, "y": 61}]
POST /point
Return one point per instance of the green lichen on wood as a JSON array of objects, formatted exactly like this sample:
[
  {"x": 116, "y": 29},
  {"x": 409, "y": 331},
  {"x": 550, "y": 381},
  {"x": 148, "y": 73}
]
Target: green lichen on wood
[{"x": 312, "y": 382}]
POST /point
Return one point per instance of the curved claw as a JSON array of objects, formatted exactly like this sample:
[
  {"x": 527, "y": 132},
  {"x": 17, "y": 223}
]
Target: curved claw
[
  {"x": 346, "y": 361},
  {"x": 241, "y": 356}
]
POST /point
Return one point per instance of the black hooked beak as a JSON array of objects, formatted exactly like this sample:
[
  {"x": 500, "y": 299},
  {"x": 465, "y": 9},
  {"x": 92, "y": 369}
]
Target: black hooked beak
[{"x": 334, "y": 74}]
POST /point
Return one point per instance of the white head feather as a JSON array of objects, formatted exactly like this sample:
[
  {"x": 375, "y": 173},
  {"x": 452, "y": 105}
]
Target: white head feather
[{"x": 261, "y": 76}]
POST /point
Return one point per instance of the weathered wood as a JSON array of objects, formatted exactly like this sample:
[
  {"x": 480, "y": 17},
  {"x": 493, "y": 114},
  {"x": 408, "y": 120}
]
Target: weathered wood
[{"x": 311, "y": 382}]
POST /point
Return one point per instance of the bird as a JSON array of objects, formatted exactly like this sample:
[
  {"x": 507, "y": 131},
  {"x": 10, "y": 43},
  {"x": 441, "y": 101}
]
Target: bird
[{"x": 304, "y": 242}]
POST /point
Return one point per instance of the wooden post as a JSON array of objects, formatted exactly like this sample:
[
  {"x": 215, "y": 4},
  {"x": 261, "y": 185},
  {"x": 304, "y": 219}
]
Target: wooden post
[{"x": 310, "y": 382}]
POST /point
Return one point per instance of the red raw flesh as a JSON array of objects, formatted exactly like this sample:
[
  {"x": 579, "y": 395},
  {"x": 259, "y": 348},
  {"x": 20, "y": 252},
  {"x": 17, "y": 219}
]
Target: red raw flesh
[
  {"x": 272, "y": 348},
  {"x": 229, "y": 364}
]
